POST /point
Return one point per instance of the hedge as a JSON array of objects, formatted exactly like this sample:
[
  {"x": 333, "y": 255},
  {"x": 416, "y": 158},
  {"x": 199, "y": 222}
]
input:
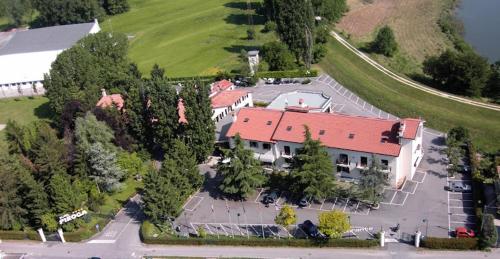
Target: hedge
[
  {"x": 450, "y": 243},
  {"x": 287, "y": 74},
  {"x": 84, "y": 233},
  {"x": 255, "y": 241},
  {"x": 189, "y": 78},
  {"x": 19, "y": 235}
]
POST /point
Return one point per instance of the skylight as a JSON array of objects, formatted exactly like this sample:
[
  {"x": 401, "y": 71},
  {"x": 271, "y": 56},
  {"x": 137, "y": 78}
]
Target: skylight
[
  {"x": 289, "y": 128},
  {"x": 322, "y": 132},
  {"x": 269, "y": 122},
  {"x": 351, "y": 135},
  {"x": 246, "y": 120}
]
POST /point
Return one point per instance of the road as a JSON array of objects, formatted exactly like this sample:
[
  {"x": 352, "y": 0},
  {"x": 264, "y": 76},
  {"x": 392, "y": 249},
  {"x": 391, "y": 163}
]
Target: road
[{"x": 409, "y": 82}]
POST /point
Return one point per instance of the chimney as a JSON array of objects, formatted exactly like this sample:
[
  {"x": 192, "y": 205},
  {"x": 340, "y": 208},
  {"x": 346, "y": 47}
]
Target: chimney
[
  {"x": 301, "y": 103},
  {"x": 103, "y": 91}
]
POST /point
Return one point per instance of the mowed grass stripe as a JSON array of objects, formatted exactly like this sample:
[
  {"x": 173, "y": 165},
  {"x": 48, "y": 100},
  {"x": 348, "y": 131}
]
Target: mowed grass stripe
[
  {"x": 403, "y": 101},
  {"x": 188, "y": 37}
]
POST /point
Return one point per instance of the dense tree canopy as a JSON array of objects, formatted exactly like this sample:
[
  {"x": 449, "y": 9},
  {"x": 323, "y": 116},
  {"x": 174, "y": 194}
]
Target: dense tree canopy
[
  {"x": 277, "y": 55},
  {"x": 242, "y": 174},
  {"x": 113, "y": 7},
  {"x": 332, "y": 10},
  {"x": 373, "y": 181},
  {"x": 333, "y": 223},
  {"x": 60, "y": 12},
  {"x": 15, "y": 10},
  {"x": 459, "y": 72}
]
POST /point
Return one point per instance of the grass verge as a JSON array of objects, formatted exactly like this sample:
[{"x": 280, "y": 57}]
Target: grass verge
[{"x": 404, "y": 101}]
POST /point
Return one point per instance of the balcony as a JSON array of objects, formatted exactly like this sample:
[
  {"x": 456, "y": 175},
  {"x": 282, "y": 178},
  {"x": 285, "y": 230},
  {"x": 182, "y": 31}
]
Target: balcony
[{"x": 342, "y": 162}]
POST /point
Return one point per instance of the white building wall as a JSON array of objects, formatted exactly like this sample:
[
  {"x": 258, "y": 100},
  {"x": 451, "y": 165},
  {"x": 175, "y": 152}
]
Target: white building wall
[{"x": 245, "y": 101}]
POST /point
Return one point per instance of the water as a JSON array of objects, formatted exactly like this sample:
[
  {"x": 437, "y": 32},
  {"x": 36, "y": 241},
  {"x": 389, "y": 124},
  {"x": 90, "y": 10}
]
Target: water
[{"x": 481, "y": 19}]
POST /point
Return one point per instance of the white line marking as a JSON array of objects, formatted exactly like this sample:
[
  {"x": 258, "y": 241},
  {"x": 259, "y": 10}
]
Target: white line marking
[
  {"x": 335, "y": 202},
  {"x": 256, "y": 199},
  {"x": 460, "y": 200},
  {"x": 393, "y": 196},
  {"x": 322, "y": 203},
  {"x": 403, "y": 203},
  {"x": 460, "y": 215},
  {"x": 463, "y": 222},
  {"x": 460, "y": 207},
  {"x": 197, "y": 204},
  {"x": 101, "y": 242},
  {"x": 347, "y": 202},
  {"x": 210, "y": 230},
  {"x": 224, "y": 229}
]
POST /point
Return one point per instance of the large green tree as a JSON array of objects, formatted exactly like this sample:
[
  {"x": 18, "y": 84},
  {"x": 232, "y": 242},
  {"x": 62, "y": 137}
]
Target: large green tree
[
  {"x": 64, "y": 198},
  {"x": 199, "y": 132},
  {"x": 493, "y": 87},
  {"x": 113, "y": 7},
  {"x": 35, "y": 199},
  {"x": 372, "y": 182},
  {"x": 459, "y": 72},
  {"x": 277, "y": 55},
  {"x": 59, "y": 12},
  {"x": 103, "y": 167},
  {"x": 11, "y": 205},
  {"x": 295, "y": 21},
  {"x": 15, "y": 10},
  {"x": 242, "y": 174},
  {"x": 332, "y": 10},
  {"x": 385, "y": 42},
  {"x": 186, "y": 163},
  {"x": 312, "y": 171}
]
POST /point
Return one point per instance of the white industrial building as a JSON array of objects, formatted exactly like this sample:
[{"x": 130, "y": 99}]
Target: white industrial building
[
  {"x": 351, "y": 141},
  {"x": 26, "y": 55}
]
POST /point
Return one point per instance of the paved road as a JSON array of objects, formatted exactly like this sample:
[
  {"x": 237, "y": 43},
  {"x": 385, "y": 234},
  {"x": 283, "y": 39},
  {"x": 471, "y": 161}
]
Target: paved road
[{"x": 409, "y": 82}]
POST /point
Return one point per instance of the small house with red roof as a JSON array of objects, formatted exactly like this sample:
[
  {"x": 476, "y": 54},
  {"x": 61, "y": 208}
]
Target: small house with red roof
[
  {"x": 220, "y": 86},
  {"x": 225, "y": 102},
  {"x": 111, "y": 100},
  {"x": 352, "y": 141}
]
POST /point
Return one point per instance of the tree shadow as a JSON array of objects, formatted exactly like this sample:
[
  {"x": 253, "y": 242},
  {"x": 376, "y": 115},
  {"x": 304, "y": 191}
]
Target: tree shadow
[
  {"x": 238, "y": 48},
  {"x": 245, "y": 19},
  {"x": 43, "y": 111},
  {"x": 439, "y": 141}
]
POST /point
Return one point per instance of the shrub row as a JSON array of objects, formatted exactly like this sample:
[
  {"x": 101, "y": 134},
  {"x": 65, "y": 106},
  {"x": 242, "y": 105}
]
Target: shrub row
[
  {"x": 287, "y": 74},
  {"x": 188, "y": 78},
  {"x": 19, "y": 235},
  {"x": 85, "y": 233},
  {"x": 450, "y": 243},
  {"x": 252, "y": 241}
]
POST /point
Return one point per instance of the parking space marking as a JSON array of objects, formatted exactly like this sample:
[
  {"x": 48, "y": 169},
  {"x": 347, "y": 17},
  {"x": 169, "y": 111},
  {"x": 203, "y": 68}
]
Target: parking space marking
[
  {"x": 403, "y": 203},
  {"x": 460, "y": 207},
  {"x": 322, "y": 203},
  {"x": 258, "y": 196},
  {"x": 460, "y": 200},
  {"x": 347, "y": 202},
  {"x": 462, "y": 223},
  {"x": 460, "y": 180},
  {"x": 200, "y": 199},
  {"x": 335, "y": 202}
]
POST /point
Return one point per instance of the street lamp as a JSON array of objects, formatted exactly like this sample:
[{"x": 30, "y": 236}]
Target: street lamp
[{"x": 426, "y": 221}]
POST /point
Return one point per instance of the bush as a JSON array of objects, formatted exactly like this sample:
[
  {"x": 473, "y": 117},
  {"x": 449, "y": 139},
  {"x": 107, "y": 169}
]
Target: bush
[
  {"x": 260, "y": 104},
  {"x": 450, "y": 243},
  {"x": 385, "y": 42},
  {"x": 489, "y": 235},
  {"x": 269, "y": 26},
  {"x": 19, "y": 235},
  {"x": 251, "y": 34},
  {"x": 287, "y": 74}
]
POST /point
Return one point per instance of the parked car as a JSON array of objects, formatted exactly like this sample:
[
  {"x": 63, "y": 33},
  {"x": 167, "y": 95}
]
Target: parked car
[
  {"x": 459, "y": 187},
  {"x": 277, "y": 81},
  {"x": 272, "y": 197},
  {"x": 304, "y": 201},
  {"x": 463, "y": 232},
  {"x": 310, "y": 229},
  {"x": 269, "y": 80}
]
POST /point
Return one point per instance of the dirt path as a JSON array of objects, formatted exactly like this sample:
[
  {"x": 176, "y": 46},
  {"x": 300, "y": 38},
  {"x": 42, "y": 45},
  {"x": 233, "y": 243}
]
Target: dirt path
[{"x": 409, "y": 82}]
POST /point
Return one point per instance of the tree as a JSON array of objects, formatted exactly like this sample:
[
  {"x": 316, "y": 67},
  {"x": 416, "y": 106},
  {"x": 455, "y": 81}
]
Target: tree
[
  {"x": 242, "y": 174},
  {"x": 60, "y": 12},
  {"x": 493, "y": 87},
  {"x": 19, "y": 138},
  {"x": 372, "y": 182},
  {"x": 312, "y": 171},
  {"x": 165, "y": 192},
  {"x": 35, "y": 199},
  {"x": 117, "y": 121},
  {"x": 103, "y": 168},
  {"x": 131, "y": 163},
  {"x": 385, "y": 42},
  {"x": 269, "y": 26},
  {"x": 459, "y": 72},
  {"x": 286, "y": 217},
  {"x": 332, "y": 10},
  {"x": 489, "y": 233},
  {"x": 277, "y": 55},
  {"x": 199, "y": 132},
  {"x": 15, "y": 10},
  {"x": 63, "y": 197},
  {"x": 333, "y": 223},
  {"x": 114, "y": 7},
  {"x": 458, "y": 134},
  {"x": 454, "y": 153},
  {"x": 11, "y": 211},
  {"x": 157, "y": 73},
  {"x": 251, "y": 34},
  {"x": 186, "y": 163},
  {"x": 295, "y": 21}
]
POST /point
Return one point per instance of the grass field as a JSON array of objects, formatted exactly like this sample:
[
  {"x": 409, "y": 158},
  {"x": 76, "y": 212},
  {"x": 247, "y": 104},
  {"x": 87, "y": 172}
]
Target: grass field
[
  {"x": 188, "y": 37},
  {"x": 404, "y": 101},
  {"x": 414, "y": 23}
]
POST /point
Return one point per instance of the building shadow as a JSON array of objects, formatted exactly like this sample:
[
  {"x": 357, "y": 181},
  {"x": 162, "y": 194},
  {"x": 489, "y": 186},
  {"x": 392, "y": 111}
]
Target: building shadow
[{"x": 245, "y": 19}]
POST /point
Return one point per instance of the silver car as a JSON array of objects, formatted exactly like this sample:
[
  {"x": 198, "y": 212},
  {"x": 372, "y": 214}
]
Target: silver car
[{"x": 459, "y": 187}]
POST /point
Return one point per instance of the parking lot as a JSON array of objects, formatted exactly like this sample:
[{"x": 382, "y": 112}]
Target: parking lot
[{"x": 460, "y": 205}]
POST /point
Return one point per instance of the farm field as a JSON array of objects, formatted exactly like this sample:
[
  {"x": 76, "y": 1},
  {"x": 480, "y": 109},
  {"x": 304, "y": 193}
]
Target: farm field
[
  {"x": 404, "y": 101},
  {"x": 414, "y": 23},
  {"x": 188, "y": 37}
]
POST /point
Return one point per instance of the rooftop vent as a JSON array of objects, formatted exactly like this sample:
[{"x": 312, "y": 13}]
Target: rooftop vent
[
  {"x": 289, "y": 128},
  {"x": 269, "y": 122},
  {"x": 246, "y": 120},
  {"x": 351, "y": 135},
  {"x": 322, "y": 132}
]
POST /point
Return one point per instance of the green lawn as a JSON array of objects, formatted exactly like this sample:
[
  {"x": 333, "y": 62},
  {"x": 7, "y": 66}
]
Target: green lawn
[
  {"x": 404, "y": 101},
  {"x": 188, "y": 37}
]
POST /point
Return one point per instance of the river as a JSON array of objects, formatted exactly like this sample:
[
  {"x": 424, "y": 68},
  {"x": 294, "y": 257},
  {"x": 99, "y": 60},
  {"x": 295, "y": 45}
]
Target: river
[{"x": 481, "y": 19}]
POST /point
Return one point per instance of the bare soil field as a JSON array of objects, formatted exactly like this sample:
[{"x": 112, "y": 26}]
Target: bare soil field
[{"x": 413, "y": 21}]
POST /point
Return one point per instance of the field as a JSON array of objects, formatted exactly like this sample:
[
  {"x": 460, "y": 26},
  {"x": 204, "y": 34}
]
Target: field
[
  {"x": 414, "y": 23},
  {"x": 403, "y": 101},
  {"x": 188, "y": 37}
]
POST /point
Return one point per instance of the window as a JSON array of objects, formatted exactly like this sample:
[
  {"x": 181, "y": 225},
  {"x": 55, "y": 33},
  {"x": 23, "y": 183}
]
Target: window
[
  {"x": 384, "y": 162},
  {"x": 254, "y": 144},
  {"x": 288, "y": 128},
  {"x": 266, "y": 146},
  {"x": 364, "y": 161},
  {"x": 322, "y": 132},
  {"x": 342, "y": 169},
  {"x": 343, "y": 159},
  {"x": 287, "y": 150}
]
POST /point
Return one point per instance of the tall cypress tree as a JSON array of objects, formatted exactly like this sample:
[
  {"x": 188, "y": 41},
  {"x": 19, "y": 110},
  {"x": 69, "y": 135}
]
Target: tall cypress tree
[
  {"x": 242, "y": 174},
  {"x": 63, "y": 196},
  {"x": 12, "y": 213},
  {"x": 186, "y": 163},
  {"x": 312, "y": 172},
  {"x": 199, "y": 132},
  {"x": 35, "y": 199}
]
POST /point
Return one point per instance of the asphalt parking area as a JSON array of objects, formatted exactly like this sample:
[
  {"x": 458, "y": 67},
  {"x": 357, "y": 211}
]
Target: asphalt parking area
[
  {"x": 232, "y": 229},
  {"x": 193, "y": 202},
  {"x": 460, "y": 207}
]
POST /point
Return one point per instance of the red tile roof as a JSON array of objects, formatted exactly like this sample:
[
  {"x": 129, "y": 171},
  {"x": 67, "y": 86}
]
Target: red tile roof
[
  {"x": 355, "y": 133},
  {"x": 110, "y": 100},
  {"x": 227, "y": 98},
  {"x": 181, "y": 111},
  {"x": 256, "y": 124},
  {"x": 411, "y": 127},
  {"x": 220, "y": 86}
]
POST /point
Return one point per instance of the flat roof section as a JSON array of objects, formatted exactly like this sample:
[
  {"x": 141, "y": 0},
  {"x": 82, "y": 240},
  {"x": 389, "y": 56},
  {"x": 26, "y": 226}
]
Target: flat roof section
[{"x": 315, "y": 100}]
